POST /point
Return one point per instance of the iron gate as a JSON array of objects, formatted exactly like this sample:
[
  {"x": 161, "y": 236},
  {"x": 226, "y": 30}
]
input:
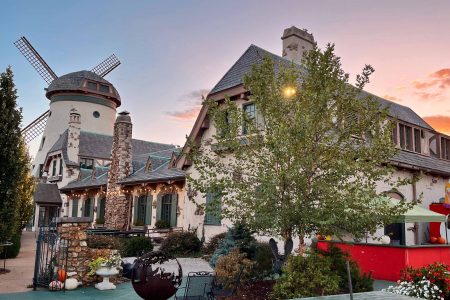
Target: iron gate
[{"x": 51, "y": 255}]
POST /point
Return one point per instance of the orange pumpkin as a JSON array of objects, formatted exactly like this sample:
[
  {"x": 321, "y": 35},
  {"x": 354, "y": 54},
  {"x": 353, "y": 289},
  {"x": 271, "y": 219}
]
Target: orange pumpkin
[
  {"x": 440, "y": 240},
  {"x": 433, "y": 240},
  {"x": 62, "y": 275}
]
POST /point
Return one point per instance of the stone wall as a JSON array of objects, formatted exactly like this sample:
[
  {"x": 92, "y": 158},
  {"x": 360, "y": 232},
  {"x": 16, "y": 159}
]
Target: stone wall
[{"x": 118, "y": 206}]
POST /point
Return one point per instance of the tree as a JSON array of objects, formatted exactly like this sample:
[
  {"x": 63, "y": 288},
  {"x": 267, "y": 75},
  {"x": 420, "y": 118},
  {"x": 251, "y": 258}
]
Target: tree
[
  {"x": 307, "y": 160},
  {"x": 27, "y": 184},
  {"x": 14, "y": 164}
]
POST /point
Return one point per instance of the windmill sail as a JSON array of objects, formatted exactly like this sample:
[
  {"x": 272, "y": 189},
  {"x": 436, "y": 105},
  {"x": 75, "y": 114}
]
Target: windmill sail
[
  {"x": 106, "y": 66},
  {"x": 35, "y": 59},
  {"x": 35, "y": 128}
]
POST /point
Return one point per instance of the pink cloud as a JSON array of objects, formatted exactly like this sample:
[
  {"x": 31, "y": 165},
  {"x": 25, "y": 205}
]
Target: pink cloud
[
  {"x": 189, "y": 114},
  {"x": 392, "y": 98}
]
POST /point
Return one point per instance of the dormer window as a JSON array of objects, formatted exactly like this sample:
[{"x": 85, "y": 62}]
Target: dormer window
[
  {"x": 91, "y": 85},
  {"x": 408, "y": 137},
  {"x": 104, "y": 88},
  {"x": 86, "y": 163}
]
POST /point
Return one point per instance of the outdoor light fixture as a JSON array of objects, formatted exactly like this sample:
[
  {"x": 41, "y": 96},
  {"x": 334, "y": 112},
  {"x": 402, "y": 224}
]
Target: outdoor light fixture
[{"x": 289, "y": 91}]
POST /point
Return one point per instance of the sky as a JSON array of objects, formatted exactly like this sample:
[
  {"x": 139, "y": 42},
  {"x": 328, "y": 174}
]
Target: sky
[{"x": 173, "y": 52}]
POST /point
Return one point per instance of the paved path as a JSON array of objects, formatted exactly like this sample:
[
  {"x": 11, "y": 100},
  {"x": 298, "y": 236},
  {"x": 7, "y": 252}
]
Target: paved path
[
  {"x": 364, "y": 296},
  {"x": 21, "y": 267}
]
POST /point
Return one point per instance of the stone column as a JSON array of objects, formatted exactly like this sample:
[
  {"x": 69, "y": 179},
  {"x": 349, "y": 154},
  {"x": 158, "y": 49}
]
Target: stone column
[
  {"x": 73, "y": 231},
  {"x": 118, "y": 206}
]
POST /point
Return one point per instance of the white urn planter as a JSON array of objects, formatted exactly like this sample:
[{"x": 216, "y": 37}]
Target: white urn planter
[
  {"x": 106, "y": 272},
  {"x": 385, "y": 240}
]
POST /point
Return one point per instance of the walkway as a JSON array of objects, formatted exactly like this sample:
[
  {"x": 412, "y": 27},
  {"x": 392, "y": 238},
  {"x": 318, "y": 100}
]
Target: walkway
[{"x": 21, "y": 267}]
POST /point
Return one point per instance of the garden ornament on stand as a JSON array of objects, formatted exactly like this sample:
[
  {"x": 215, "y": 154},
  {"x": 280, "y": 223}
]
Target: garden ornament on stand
[
  {"x": 151, "y": 279},
  {"x": 280, "y": 259}
]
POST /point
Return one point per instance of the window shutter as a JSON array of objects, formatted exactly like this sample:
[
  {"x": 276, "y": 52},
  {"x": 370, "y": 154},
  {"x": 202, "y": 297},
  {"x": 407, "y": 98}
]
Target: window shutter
[
  {"x": 83, "y": 206},
  {"x": 158, "y": 207},
  {"x": 173, "y": 212},
  {"x": 148, "y": 210},
  {"x": 135, "y": 214},
  {"x": 74, "y": 208},
  {"x": 91, "y": 213}
]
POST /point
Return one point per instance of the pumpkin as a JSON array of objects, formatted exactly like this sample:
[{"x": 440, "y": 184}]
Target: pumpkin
[
  {"x": 440, "y": 240},
  {"x": 320, "y": 237},
  {"x": 56, "y": 286},
  {"x": 433, "y": 240},
  {"x": 62, "y": 275}
]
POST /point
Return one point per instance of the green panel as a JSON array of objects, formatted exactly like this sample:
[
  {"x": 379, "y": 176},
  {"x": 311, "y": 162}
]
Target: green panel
[
  {"x": 212, "y": 203},
  {"x": 74, "y": 207},
  {"x": 148, "y": 212},
  {"x": 135, "y": 203},
  {"x": 158, "y": 207},
  {"x": 91, "y": 213},
  {"x": 173, "y": 213}
]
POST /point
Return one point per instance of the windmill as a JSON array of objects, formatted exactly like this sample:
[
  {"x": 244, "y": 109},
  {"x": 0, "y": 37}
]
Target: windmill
[
  {"x": 85, "y": 91},
  {"x": 35, "y": 128}
]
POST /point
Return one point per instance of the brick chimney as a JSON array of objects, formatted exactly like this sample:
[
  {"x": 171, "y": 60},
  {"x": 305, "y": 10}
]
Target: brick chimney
[
  {"x": 73, "y": 135},
  {"x": 118, "y": 205},
  {"x": 295, "y": 43}
]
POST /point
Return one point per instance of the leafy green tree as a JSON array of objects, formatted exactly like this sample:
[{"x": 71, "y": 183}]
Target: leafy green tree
[
  {"x": 14, "y": 163},
  {"x": 308, "y": 160},
  {"x": 27, "y": 184}
]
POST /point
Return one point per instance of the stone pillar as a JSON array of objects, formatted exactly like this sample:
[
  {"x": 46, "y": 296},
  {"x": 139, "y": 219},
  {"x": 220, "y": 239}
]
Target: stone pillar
[
  {"x": 73, "y": 231},
  {"x": 118, "y": 206}
]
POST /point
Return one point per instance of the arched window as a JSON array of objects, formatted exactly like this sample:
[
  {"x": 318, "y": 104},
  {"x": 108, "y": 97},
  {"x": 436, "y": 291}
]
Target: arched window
[{"x": 395, "y": 194}]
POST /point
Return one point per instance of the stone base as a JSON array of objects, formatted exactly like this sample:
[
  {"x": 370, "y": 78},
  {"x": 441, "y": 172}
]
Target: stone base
[{"x": 105, "y": 285}]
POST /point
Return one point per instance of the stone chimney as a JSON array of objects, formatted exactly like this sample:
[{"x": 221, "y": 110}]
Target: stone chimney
[
  {"x": 73, "y": 135},
  {"x": 118, "y": 205},
  {"x": 295, "y": 43}
]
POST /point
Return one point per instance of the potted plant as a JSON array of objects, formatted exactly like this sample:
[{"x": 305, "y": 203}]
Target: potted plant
[{"x": 105, "y": 267}]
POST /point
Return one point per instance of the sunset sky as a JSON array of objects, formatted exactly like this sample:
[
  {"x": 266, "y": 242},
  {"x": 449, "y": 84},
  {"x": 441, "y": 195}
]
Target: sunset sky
[{"x": 172, "y": 52}]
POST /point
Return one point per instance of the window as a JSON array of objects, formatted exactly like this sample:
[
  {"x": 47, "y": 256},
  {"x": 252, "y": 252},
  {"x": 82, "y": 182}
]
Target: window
[
  {"x": 54, "y": 167},
  {"x": 60, "y": 167},
  {"x": 141, "y": 210},
  {"x": 91, "y": 85},
  {"x": 410, "y": 138},
  {"x": 226, "y": 127},
  {"x": 42, "y": 143},
  {"x": 445, "y": 148},
  {"x": 88, "y": 207},
  {"x": 166, "y": 208},
  {"x": 104, "y": 88},
  {"x": 86, "y": 163},
  {"x": 101, "y": 210},
  {"x": 41, "y": 170},
  {"x": 96, "y": 114},
  {"x": 74, "y": 207},
  {"x": 433, "y": 144},
  {"x": 213, "y": 208},
  {"x": 250, "y": 111}
]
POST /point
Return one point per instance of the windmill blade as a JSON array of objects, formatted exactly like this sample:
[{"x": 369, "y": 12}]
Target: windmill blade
[
  {"x": 35, "y": 59},
  {"x": 35, "y": 128},
  {"x": 106, "y": 66}
]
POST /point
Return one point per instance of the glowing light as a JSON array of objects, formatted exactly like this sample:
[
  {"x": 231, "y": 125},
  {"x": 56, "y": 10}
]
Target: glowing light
[{"x": 289, "y": 91}]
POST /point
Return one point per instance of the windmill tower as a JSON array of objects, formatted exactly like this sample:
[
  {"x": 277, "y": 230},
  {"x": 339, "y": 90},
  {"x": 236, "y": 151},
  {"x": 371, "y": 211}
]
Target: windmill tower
[{"x": 94, "y": 98}]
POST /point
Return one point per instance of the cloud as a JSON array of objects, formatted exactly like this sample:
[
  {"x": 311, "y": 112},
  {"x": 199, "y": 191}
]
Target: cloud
[
  {"x": 429, "y": 96},
  {"x": 433, "y": 86},
  {"x": 439, "y": 122},
  {"x": 392, "y": 98},
  {"x": 195, "y": 97},
  {"x": 420, "y": 85},
  {"x": 188, "y": 114}
]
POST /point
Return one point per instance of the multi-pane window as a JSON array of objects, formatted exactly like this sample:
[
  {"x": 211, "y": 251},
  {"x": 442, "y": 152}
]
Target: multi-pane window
[
  {"x": 54, "y": 167},
  {"x": 104, "y": 88},
  {"x": 213, "y": 208},
  {"x": 141, "y": 210},
  {"x": 101, "y": 209},
  {"x": 86, "y": 163},
  {"x": 88, "y": 206},
  {"x": 91, "y": 85},
  {"x": 445, "y": 148},
  {"x": 60, "y": 167},
  {"x": 74, "y": 207},
  {"x": 409, "y": 138},
  {"x": 252, "y": 116}
]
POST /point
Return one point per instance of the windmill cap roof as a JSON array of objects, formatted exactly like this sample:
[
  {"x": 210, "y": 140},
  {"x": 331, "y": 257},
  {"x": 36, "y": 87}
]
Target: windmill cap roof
[{"x": 77, "y": 82}]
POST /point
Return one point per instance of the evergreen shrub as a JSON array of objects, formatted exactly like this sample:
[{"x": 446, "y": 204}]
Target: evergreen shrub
[
  {"x": 181, "y": 244},
  {"x": 136, "y": 246}
]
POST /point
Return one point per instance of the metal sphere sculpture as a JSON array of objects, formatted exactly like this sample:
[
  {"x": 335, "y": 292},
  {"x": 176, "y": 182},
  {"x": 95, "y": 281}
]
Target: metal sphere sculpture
[{"x": 151, "y": 281}]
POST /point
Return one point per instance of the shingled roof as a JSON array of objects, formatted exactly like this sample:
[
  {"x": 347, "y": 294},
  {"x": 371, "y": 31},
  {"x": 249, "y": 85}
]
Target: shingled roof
[
  {"x": 418, "y": 161},
  {"x": 254, "y": 55},
  {"x": 47, "y": 193}
]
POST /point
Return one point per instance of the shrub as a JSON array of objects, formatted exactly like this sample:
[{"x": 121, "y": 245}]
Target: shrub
[
  {"x": 213, "y": 243},
  {"x": 263, "y": 261},
  {"x": 103, "y": 241},
  {"x": 136, "y": 246},
  {"x": 181, "y": 243},
  {"x": 162, "y": 224},
  {"x": 436, "y": 273},
  {"x": 13, "y": 250},
  {"x": 306, "y": 277},
  {"x": 423, "y": 289},
  {"x": 360, "y": 282},
  {"x": 229, "y": 267},
  {"x": 239, "y": 237}
]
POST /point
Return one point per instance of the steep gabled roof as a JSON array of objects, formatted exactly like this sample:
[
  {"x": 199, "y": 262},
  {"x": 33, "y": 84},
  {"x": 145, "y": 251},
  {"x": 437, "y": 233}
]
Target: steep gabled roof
[{"x": 47, "y": 193}]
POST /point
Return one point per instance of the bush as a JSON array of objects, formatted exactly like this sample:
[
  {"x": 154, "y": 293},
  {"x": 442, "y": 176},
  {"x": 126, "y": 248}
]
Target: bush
[
  {"x": 306, "y": 277},
  {"x": 136, "y": 246},
  {"x": 213, "y": 244},
  {"x": 263, "y": 261},
  {"x": 229, "y": 267},
  {"x": 239, "y": 237},
  {"x": 162, "y": 224},
  {"x": 360, "y": 282},
  {"x": 13, "y": 250},
  {"x": 103, "y": 241},
  {"x": 181, "y": 243},
  {"x": 436, "y": 273}
]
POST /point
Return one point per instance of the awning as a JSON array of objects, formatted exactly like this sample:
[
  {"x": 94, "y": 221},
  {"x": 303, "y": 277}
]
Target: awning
[{"x": 418, "y": 214}]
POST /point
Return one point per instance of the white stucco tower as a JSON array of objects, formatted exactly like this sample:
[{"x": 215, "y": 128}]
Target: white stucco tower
[{"x": 93, "y": 98}]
